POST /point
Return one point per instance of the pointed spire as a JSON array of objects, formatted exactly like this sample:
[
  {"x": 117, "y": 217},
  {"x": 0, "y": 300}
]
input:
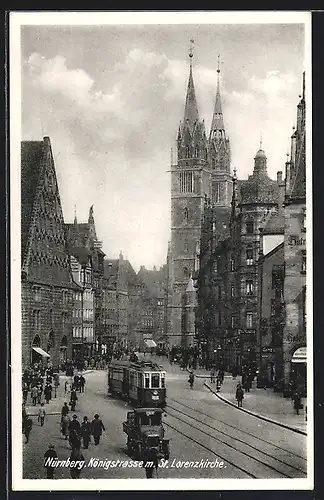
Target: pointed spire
[
  {"x": 91, "y": 219},
  {"x": 191, "y": 108},
  {"x": 217, "y": 122}
]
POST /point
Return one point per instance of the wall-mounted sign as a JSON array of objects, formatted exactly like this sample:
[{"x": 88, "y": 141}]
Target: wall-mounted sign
[{"x": 295, "y": 240}]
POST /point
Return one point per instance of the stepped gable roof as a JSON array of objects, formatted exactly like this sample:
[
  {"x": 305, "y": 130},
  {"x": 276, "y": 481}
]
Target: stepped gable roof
[
  {"x": 258, "y": 188},
  {"x": 31, "y": 165},
  {"x": 274, "y": 223}
]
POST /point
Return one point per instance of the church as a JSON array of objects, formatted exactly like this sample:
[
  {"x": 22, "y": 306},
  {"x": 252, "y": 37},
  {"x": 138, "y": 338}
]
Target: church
[{"x": 200, "y": 169}]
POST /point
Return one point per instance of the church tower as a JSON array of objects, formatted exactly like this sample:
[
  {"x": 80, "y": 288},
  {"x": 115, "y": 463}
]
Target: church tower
[
  {"x": 190, "y": 182},
  {"x": 219, "y": 155}
]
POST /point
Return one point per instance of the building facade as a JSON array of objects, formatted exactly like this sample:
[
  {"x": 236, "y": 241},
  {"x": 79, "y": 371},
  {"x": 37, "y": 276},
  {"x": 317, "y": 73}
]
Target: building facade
[
  {"x": 47, "y": 288},
  {"x": 86, "y": 259},
  {"x": 294, "y": 336}
]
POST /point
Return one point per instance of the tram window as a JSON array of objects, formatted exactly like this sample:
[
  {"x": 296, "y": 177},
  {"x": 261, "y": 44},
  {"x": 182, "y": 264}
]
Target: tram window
[
  {"x": 147, "y": 380},
  {"x": 155, "y": 380},
  {"x": 162, "y": 381}
]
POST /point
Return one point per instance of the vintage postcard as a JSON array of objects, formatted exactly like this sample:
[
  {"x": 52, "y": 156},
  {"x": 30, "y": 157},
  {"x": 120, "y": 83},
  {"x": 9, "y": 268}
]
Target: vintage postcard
[{"x": 161, "y": 254}]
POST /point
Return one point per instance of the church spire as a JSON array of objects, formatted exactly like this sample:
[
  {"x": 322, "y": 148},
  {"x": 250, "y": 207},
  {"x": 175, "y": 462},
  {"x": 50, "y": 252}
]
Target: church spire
[
  {"x": 217, "y": 122},
  {"x": 191, "y": 108},
  {"x": 91, "y": 219}
]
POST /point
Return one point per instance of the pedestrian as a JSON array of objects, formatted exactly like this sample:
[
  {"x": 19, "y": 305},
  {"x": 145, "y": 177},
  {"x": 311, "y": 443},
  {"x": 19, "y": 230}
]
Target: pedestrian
[
  {"x": 78, "y": 461},
  {"x": 150, "y": 461},
  {"x": 28, "y": 424},
  {"x": 25, "y": 392},
  {"x": 212, "y": 376},
  {"x": 65, "y": 410},
  {"x": 297, "y": 401},
  {"x": 218, "y": 383},
  {"x": 65, "y": 421},
  {"x": 82, "y": 382},
  {"x": 33, "y": 394},
  {"x": 73, "y": 399},
  {"x": 191, "y": 380},
  {"x": 74, "y": 433},
  {"x": 86, "y": 432},
  {"x": 48, "y": 463},
  {"x": 39, "y": 393},
  {"x": 76, "y": 381},
  {"x": 48, "y": 393},
  {"x": 23, "y": 412},
  {"x": 66, "y": 387},
  {"x": 41, "y": 414},
  {"x": 239, "y": 395},
  {"x": 96, "y": 428}
]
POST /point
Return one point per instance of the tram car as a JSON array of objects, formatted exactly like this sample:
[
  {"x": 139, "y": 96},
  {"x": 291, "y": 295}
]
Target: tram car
[{"x": 142, "y": 383}]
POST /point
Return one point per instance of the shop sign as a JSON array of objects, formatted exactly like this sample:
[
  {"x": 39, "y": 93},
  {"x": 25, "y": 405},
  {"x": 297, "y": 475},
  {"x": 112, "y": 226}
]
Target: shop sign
[
  {"x": 296, "y": 241},
  {"x": 267, "y": 349}
]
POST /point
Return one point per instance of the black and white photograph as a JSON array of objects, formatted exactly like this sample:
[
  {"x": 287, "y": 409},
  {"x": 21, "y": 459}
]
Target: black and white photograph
[{"x": 161, "y": 258}]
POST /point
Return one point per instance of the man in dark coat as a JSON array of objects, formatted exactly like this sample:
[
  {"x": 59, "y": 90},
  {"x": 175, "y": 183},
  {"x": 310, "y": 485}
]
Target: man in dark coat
[
  {"x": 73, "y": 399},
  {"x": 150, "y": 461},
  {"x": 82, "y": 383},
  {"x": 86, "y": 432},
  {"x": 28, "y": 424},
  {"x": 74, "y": 433},
  {"x": 76, "y": 456},
  {"x": 50, "y": 453},
  {"x": 97, "y": 427}
]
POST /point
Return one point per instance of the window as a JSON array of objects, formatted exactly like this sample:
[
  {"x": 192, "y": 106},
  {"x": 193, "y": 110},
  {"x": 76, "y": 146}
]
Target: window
[
  {"x": 186, "y": 182},
  {"x": 218, "y": 318},
  {"x": 65, "y": 296},
  {"x": 36, "y": 320},
  {"x": 249, "y": 320},
  {"x": 232, "y": 290},
  {"x": 155, "y": 380},
  {"x": 162, "y": 380},
  {"x": 249, "y": 227},
  {"x": 232, "y": 265},
  {"x": 249, "y": 287},
  {"x": 185, "y": 272},
  {"x": 217, "y": 192},
  {"x": 185, "y": 213},
  {"x": 187, "y": 152},
  {"x": 249, "y": 257},
  {"x": 219, "y": 291},
  {"x": 232, "y": 321},
  {"x": 147, "y": 380},
  {"x": 37, "y": 293},
  {"x": 215, "y": 267}
]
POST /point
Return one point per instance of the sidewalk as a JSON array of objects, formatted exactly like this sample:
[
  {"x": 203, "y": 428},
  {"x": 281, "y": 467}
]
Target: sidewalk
[
  {"x": 54, "y": 407},
  {"x": 264, "y": 404}
]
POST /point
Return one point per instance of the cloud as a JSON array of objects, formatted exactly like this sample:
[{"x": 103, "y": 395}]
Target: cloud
[{"x": 111, "y": 138}]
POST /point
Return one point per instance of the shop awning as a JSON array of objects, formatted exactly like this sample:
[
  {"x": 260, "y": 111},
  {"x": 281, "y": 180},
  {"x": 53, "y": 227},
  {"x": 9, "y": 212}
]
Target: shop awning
[
  {"x": 149, "y": 343},
  {"x": 41, "y": 352},
  {"x": 300, "y": 355}
]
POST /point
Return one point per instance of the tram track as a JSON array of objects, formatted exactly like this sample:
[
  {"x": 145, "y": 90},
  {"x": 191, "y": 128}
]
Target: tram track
[
  {"x": 258, "y": 438},
  {"x": 233, "y": 443}
]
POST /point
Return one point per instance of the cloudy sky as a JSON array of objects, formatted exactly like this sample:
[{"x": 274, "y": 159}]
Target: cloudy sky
[{"x": 111, "y": 97}]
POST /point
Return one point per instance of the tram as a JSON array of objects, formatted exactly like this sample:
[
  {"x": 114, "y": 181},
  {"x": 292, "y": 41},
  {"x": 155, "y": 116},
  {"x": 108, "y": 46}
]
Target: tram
[{"x": 142, "y": 383}]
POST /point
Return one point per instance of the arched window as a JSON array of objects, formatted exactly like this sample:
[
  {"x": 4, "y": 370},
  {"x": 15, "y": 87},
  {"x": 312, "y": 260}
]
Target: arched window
[
  {"x": 197, "y": 151},
  {"x": 187, "y": 152},
  {"x": 50, "y": 342},
  {"x": 185, "y": 213}
]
